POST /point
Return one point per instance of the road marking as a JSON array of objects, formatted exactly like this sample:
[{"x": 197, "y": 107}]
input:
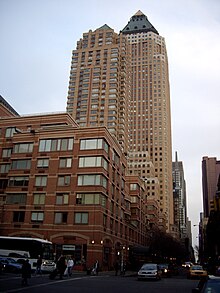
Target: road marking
[{"x": 48, "y": 283}]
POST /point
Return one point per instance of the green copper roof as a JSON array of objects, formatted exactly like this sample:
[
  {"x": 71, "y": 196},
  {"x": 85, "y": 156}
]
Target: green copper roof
[
  {"x": 104, "y": 27},
  {"x": 139, "y": 23}
]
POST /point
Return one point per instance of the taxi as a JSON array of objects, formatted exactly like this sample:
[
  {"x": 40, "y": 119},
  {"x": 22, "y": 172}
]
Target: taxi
[{"x": 196, "y": 271}]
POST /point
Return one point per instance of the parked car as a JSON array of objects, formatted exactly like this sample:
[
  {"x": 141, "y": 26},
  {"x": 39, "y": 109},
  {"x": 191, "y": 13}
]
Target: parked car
[
  {"x": 166, "y": 270},
  {"x": 10, "y": 265},
  {"x": 149, "y": 271},
  {"x": 210, "y": 284},
  {"x": 196, "y": 271}
]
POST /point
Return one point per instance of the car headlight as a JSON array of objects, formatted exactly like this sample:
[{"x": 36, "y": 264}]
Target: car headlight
[{"x": 165, "y": 270}]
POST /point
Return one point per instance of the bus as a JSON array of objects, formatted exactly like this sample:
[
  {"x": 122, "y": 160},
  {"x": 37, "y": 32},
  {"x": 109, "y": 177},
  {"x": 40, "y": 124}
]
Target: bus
[{"x": 21, "y": 248}]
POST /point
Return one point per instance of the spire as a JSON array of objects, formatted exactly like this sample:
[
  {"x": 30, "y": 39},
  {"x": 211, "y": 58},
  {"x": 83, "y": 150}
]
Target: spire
[
  {"x": 139, "y": 23},
  {"x": 176, "y": 157},
  {"x": 138, "y": 13}
]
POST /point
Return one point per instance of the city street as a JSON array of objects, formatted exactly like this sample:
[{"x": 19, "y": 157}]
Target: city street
[{"x": 107, "y": 283}]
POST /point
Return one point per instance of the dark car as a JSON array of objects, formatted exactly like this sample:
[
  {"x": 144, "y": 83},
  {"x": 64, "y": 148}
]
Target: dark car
[
  {"x": 165, "y": 269},
  {"x": 211, "y": 284},
  {"x": 10, "y": 265}
]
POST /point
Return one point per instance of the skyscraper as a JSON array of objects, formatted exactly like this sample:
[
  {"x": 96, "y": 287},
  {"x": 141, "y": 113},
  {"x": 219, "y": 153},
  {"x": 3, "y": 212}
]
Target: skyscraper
[
  {"x": 99, "y": 82},
  {"x": 122, "y": 81},
  {"x": 150, "y": 121},
  {"x": 210, "y": 176},
  {"x": 180, "y": 215}
]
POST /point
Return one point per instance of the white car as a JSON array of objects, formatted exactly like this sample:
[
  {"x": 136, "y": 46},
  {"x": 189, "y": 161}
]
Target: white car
[
  {"x": 48, "y": 266},
  {"x": 149, "y": 271}
]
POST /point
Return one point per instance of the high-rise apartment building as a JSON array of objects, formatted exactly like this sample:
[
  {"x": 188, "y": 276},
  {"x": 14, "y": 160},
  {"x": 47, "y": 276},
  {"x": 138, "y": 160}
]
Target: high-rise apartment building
[
  {"x": 210, "y": 175},
  {"x": 99, "y": 82},
  {"x": 122, "y": 81}
]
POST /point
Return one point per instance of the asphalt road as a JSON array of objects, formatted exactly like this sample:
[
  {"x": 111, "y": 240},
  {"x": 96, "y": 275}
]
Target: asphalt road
[{"x": 108, "y": 283}]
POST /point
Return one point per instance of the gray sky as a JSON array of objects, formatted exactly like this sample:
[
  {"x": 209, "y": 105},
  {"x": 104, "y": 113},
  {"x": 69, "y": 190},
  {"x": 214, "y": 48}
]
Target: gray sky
[{"x": 37, "y": 38}]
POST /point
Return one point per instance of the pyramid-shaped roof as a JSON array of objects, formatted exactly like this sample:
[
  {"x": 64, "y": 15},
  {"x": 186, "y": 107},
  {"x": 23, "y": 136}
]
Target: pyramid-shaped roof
[
  {"x": 139, "y": 23},
  {"x": 105, "y": 27}
]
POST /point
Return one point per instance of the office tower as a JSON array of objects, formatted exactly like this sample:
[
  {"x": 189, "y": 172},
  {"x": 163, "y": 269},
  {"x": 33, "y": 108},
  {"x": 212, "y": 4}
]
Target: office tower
[
  {"x": 99, "y": 82},
  {"x": 179, "y": 187},
  {"x": 210, "y": 175},
  {"x": 121, "y": 81},
  {"x": 150, "y": 121}
]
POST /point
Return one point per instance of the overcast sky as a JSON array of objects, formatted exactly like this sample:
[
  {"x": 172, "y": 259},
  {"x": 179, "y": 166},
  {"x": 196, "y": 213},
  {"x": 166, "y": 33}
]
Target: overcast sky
[{"x": 37, "y": 37}]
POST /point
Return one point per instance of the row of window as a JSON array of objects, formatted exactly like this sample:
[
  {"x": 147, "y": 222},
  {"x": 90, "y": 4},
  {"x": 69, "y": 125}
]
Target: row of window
[
  {"x": 63, "y": 180},
  {"x": 48, "y": 145},
  {"x": 25, "y": 164},
  {"x": 61, "y": 199},
  {"x": 59, "y": 217}
]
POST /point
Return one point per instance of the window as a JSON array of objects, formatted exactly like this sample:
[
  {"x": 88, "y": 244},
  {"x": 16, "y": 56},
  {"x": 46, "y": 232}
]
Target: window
[
  {"x": 61, "y": 218},
  {"x": 81, "y": 218},
  {"x": 134, "y": 199},
  {"x": 6, "y": 153},
  {"x": 92, "y": 180},
  {"x": 18, "y": 181},
  {"x": 65, "y": 162},
  {"x": 93, "y": 162},
  {"x": 18, "y": 216},
  {"x": 62, "y": 198},
  {"x": 63, "y": 180},
  {"x": 42, "y": 163},
  {"x": 133, "y": 186},
  {"x": 115, "y": 158},
  {"x": 88, "y": 198},
  {"x": 41, "y": 181},
  {"x": 48, "y": 145},
  {"x": 37, "y": 216},
  {"x": 93, "y": 144},
  {"x": 10, "y": 131},
  {"x": 21, "y": 164},
  {"x": 39, "y": 198},
  {"x": 4, "y": 168},
  {"x": 23, "y": 148},
  {"x": 16, "y": 198}
]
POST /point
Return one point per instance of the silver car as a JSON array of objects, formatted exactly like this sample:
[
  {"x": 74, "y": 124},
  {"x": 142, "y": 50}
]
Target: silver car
[{"x": 149, "y": 271}]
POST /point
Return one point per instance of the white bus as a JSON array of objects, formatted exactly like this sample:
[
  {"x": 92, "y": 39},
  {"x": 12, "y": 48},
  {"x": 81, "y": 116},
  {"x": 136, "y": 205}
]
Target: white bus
[{"x": 20, "y": 248}]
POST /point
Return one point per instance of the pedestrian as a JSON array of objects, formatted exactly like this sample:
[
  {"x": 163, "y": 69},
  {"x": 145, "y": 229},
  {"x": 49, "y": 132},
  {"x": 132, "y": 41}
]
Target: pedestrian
[
  {"x": 96, "y": 267},
  {"x": 61, "y": 266},
  {"x": 70, "y": 264},
  {"x": 26, "y": 272},
  {"x": 38, "y": 266}
]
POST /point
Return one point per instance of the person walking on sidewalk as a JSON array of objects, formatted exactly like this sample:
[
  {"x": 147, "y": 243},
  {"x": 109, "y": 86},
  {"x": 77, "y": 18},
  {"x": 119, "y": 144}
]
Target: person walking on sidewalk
[
  {"x": 61, "y": 266},
  {"x": 38, "y": 267},
  {"x": 26, "y": 272},
  {"x": 70, "y": 264}
]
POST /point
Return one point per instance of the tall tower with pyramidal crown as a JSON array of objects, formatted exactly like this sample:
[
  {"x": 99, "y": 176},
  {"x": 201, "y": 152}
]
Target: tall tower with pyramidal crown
[{"x": 150, "y": 154}]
